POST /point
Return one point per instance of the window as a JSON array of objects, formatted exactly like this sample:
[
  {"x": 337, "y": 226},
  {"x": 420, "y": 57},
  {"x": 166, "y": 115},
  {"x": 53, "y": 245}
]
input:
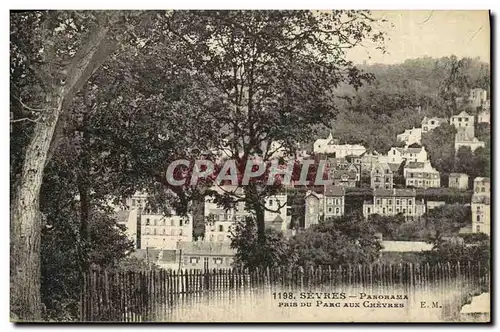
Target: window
[
  {"x": 483, "y": 189},
  {"x": 389, "y": 202},
  {"x": 329, "y": 209},
  {"x": 329, "y": 201},
  {"x": 337, "y": 210},
  {"x": 425, "y": 128},
  {"x": 146, "y": 231},
  {"x": 378, "y": 201},
  {"x": 432, "y": 122},
  {"x": 394, "y": 152},
  {"x": 410, "y": 202},
  {"x": 271, "y": 202},
  {"x": 404, "y": 210},
  {"x": 478, "y": 229},
  {"x": 133, "y": 202},
  {"x": 147, "y": 221},
  {"x": 154, "y": 222},
  {"x": 172, "y": 222},
  {"x": 180, "y": 232},
  {"x": 390, "y": 209},
  {"x": 194, "y": 260},
  {"x": 403, "y": 202},
  {"x": 337, "y": 201},
  {"x": 478, "y": 208},
  {"x": 383, "y": 210},
  {"x": 164, "y": 231},
  {"x": 180, "y": 222},
  {"x": 218, "y": 261},
  {"x": 221, "y": 228},
  {"x": 397, "y": 210},
  {"x": 154, "y": 231},
  {"x": 368, "y": 210},
  {"x": 466, "y": 119},
  {"x": 478, "y": 218},
  {"x": 211, "y": 238},
  {"x": 172, "y": 232},
  {"x": 397, "y": 202}
]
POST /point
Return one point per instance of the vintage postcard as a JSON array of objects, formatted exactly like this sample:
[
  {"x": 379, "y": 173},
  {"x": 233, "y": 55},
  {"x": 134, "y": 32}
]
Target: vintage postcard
[{"x": 250, "y": 166}]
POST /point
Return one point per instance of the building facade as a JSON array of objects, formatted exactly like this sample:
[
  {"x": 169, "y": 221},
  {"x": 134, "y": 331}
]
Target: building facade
[
  {"x": 399, "y": 155},
  {"x": 326, "y": 205},
  {"x": 165, "y": 232},
  {"x": 481, "y": 206},
  {"x": 429, "y": 124},
  {"x": 477, "y": 97},
  {"x": 464, "y": 123},
  {"x": 331, "y": 147},
  {"x": 484, "y": 116},
  {"x": 459, "y": 181},
  {"x": 392, "y": 202},
  {"x": 411, "y": 136},
  {"x": 205, "y": 255},
  {"x": 421, "y": 175},
  {"x": 381, "y": 176}
]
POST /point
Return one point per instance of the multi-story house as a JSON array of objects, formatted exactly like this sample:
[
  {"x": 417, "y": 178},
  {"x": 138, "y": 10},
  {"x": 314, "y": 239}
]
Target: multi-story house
[
  {"x": 381, "y": 176},
  {"x": 465, "y": 137},
  {"x": 219, "y": 221},
  {"x": 459, "y": 181},
  {"x": 480, "y": 206},
  {"x": 477, "y": 97},
  {"x": 411, "y": 136},
  {"x": 429, "y": 124},
  {"x": 322, "y": 206},
  {"x": 394, "y": 201},
  {"x": 484, "y": 116},
  {"x": 482, "y": 186},
  {"x": 165, "y": 232},
  {"x": 343, "y": 177},
  {"x": 463, "y": 122},
  {"x": 331, "y": 147},
  {"x": 398, "y": 155},
  {"x": 421, "y": 175},
  {"x": 368, "y": 160}
]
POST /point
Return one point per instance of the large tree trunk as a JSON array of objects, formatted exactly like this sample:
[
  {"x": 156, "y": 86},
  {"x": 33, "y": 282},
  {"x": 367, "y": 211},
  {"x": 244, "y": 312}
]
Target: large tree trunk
[
  {"x": 26, "y": 222},
  {"x": 25, "y": 214}
]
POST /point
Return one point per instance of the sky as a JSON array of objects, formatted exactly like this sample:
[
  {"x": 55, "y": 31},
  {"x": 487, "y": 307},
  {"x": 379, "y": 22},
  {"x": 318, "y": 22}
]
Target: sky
[{"x": 435, "y": 33}]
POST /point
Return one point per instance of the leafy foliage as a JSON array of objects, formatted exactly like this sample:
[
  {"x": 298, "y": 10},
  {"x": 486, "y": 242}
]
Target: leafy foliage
[
  {"x": 250, "y": 253},
  {"x": 348, "y": 239}
]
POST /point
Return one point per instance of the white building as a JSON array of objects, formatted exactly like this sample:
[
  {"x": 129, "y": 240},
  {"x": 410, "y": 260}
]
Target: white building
[
  {"x": 421, "y": 175},
  {"x": 463, "y": 121},
  {"x": 429, "y": 124},
  {"x": 328, "y": 204},
  {"x": 332, "y": 147},
  {"x": 398, "y": 155},
  {"x": 165, "y": 232},
  {"x": 394, "y": 201},
  {"x": 458, "y": 180},
  {"x": 411, "y": 136},
  {"x": 219, "y": 222},
  {"x": 484, "y": 116},
  {"x": 477, "y": 97},
  {"x": 463, "y": 138},
  {"x": 481, "y": 206}
]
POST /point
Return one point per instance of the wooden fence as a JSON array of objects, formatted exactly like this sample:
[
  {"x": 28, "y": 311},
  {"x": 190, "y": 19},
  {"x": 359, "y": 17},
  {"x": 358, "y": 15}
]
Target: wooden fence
[{"x": 117, "y": 296}]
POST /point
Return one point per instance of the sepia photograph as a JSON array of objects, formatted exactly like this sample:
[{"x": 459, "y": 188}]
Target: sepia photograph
[{"x": 257, "y": 166}]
